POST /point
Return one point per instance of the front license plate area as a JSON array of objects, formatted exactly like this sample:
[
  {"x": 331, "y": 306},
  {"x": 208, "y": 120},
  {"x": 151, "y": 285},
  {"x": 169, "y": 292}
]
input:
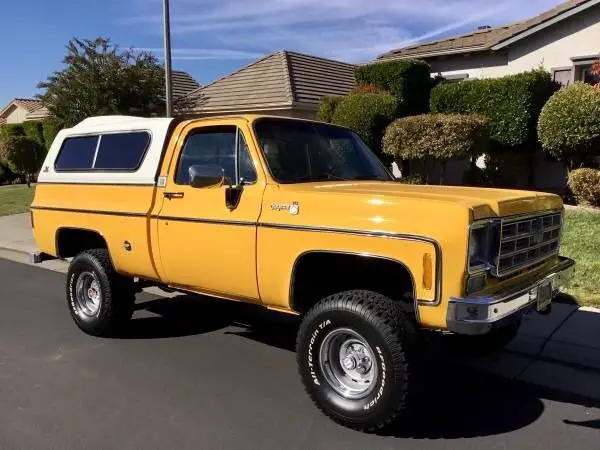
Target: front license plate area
[{"x": 544, "y": 295}]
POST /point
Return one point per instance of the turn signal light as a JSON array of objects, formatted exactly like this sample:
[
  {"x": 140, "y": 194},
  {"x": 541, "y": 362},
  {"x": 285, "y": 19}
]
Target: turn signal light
[{"x": 427, "y": 271}]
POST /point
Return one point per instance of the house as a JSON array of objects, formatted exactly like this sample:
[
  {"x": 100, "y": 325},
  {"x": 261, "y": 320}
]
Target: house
[
  {"x": 284, "y": 83},
  {"x": 22, "y": 109},
  {"x": 564, "y": 40}
]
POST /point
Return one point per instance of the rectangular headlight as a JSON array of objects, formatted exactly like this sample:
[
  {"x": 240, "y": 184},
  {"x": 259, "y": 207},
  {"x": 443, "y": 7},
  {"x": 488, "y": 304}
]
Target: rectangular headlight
[{"x": 483, "y": 244}]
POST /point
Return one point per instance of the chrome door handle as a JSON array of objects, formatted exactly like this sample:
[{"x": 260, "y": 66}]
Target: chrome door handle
[{"x": 172, "y": 195}]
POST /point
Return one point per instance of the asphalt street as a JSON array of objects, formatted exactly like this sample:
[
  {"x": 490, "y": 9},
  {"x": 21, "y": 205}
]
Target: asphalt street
[{"x": 195, "y": 373}]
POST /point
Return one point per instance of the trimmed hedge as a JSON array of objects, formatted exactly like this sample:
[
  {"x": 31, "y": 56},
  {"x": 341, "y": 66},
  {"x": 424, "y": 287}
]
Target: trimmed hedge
[
  {"x": 437, "y": 136},
  {"x": 409, "y": 80},
  {"x": 585, "y": 185},
  {"x": 328, "y": 106},
  {"x": 368, "y": 115},
  {"x": 34, "y": 129},
  {"x": 512, "y": 104},
  {"x": 569, "y": 125}
]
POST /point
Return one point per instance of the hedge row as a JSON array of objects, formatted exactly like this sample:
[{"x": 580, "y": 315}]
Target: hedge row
[
  {"x": 408, "y": 80},
  {"x": 43, "y": 132},
  {"x": 512, "y": 104},
  {"x": 368, "y": 115}
]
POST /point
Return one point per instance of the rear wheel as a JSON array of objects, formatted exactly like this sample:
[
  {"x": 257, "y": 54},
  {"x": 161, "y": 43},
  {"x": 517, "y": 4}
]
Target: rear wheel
[
  {"x": 353, "y": 356},
  {"x": 100, "y": 300}
]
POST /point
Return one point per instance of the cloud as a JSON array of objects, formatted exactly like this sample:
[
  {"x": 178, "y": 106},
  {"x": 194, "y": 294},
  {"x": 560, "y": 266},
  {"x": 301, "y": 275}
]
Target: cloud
[
  {"x": 351, "y": 30},
  {"x": 203, "y": 53}
]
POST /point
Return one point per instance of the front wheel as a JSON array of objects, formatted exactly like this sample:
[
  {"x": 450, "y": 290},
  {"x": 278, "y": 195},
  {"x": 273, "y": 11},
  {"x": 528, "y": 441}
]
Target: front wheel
[
  {"x": 99, "y": 299},
  {"x": 353, "y": 356}
]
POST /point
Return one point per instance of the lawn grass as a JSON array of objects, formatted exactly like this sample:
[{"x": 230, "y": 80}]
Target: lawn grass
[
  {"x": 581, "y": 241},
  {"x": 15, "y": 199}
]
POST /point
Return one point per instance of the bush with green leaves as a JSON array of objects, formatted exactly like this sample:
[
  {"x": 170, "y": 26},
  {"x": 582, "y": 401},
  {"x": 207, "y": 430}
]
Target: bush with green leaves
[
  {"x": 34, "y": 129},
  {"x": 512, "y": 104},
  {"x": 50, "y": 127},
  {"x": 368, "y": 115},
  {"x": 9, "y": 130},
  {"x": 327, "y": 107},
  {"x": 569, "y": 125},
  {"x": 585, "y": 186},
  {"x": 440, "y": 137},
  {"x": 99, "y": 78},
  {"x": 23, "y": 155},
  {"x": 409, "y": 80}
]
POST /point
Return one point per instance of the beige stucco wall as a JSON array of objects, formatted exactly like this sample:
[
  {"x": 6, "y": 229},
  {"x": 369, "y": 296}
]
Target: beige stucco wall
[
  {"x": 551, "y": 48},
  {"x": 16, "y": 115}
]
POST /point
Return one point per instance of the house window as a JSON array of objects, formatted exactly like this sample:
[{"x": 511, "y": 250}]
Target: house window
[
  {"x": 583, "y": 69},
  {"x": 562, "y": 76},
  {"x": 587, "y": 76}
]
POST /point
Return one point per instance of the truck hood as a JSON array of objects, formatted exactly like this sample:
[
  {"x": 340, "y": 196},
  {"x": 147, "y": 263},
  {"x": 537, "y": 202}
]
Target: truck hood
[{"x": 483, "y": 202}]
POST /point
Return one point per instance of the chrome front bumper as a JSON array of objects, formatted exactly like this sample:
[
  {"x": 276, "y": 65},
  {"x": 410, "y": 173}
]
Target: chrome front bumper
[{"x": 480, "y": 314}]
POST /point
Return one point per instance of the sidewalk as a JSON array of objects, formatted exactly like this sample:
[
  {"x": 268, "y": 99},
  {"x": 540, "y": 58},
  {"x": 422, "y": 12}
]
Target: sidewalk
[{"x": 560, "y": 351}]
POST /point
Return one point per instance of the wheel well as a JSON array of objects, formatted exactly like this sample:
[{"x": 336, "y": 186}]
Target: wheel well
[
  {"x": 72, "y": 241},
  {"x": 319, "y": 274}
]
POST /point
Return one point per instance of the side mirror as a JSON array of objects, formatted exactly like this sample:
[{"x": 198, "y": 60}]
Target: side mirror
[{"x": 206, "y": 175}]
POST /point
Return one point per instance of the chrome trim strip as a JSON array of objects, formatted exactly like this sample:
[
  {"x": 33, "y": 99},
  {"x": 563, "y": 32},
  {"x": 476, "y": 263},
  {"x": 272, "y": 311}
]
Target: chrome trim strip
[
  {"x": 87, "y": 211},
  {"x": 210, "y": 221},
  {"x": 381, "y": 234}
]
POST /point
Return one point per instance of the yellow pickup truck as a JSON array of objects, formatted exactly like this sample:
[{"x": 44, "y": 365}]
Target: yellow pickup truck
[{"x": 299, "y": 217}]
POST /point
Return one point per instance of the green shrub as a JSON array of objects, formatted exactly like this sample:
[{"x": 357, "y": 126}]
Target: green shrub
[
  {"x": 440, "y": 137},
  {"x": 50, "y": 127},
  {"x": 367, "y": 88},
  {"x": 9, "y": 130},
  {"x": 368, "y": 115},
  {"x": 512, "y": 104},
  {"x": 23, "y": 155},
  {"x": 411, "y": 179},
  {"x": 409, "y": 80},
  {"x": 328, "y": 106},
  {"x": 569, "y": 125},
  {"x": 585, "y": 185},
  {"x": 34, "y": 129},
  {"x": 6, "y": 175}
]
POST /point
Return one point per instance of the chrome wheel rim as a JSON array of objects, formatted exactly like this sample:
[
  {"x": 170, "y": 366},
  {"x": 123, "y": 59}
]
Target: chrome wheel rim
[
  {"x": 348, "y": 363},
  {"x": 88, "y": 295}
]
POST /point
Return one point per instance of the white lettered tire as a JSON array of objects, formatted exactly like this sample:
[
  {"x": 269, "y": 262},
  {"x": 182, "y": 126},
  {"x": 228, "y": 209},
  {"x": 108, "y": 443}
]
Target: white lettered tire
[{"x": 353, "y": 356}]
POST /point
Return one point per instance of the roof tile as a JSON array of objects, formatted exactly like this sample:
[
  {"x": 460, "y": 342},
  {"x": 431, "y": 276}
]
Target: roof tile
[{"x": 481, "y": 40}]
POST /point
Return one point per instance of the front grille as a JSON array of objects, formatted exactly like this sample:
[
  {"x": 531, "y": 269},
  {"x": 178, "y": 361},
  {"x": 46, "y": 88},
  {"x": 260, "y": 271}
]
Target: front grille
[{"x": 527, "y": 241}]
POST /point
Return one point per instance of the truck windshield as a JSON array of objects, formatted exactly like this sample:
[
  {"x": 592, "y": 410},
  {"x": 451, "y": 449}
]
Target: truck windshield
[{"x": 300, "y": 152}]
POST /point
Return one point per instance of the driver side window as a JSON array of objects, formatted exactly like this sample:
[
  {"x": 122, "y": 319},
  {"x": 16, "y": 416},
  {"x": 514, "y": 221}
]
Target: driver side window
[{"x": 217, "y": 146}]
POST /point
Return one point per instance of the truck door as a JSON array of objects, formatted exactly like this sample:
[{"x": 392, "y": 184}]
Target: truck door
[{"x": 212, "y": 201}]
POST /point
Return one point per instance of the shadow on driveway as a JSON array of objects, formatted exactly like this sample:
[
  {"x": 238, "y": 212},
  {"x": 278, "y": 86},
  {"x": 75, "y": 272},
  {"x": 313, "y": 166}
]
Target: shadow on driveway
[{"x": 456, "y": 403}]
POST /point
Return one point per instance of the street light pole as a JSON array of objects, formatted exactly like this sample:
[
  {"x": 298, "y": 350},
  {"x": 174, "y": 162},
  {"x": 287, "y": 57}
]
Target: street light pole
[{"x": 167, "y": 39}]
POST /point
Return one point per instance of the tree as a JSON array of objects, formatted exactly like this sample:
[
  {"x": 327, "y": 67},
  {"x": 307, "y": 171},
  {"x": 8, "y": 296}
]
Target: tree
[
  {"x": 23, "y": 155},
  {"x": 569, "y": 125},
  {"x": 440, "y": 137},
  {"x": 99, "y": 78}
]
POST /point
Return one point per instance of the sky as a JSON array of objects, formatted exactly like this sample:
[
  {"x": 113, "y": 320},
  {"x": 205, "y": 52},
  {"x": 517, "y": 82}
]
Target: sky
[{"x": 212, "y": 38}]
